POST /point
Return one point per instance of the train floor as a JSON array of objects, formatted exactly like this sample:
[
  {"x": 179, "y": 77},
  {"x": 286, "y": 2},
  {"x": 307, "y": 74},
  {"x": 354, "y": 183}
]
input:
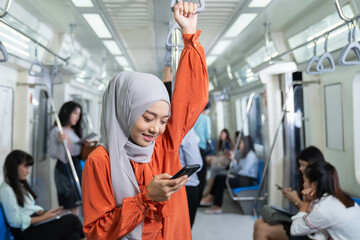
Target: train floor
[{"x": 231, "y": 224}]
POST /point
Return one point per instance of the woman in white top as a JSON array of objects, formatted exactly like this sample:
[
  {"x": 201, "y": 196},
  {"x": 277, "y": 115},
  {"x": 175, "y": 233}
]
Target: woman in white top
[
  {"x": 70, "y": 116},
  {"x": 26, "y": 219},
  {"x": 335, "y": 215}
]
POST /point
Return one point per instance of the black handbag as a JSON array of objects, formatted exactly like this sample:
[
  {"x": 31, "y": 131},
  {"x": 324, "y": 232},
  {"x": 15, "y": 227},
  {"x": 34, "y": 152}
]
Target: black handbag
[{"x": 274, "y": 216}]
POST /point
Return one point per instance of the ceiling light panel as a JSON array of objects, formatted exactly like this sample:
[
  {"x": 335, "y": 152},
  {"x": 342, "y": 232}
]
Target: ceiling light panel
[
  {"x": 122, "y": 61},
  {"x": 112, "y": 46},
  {"x": 220, "y": 47},
  {"x": 240, "y": 24},
  {"x": 97, "y": 24},
  {"x": 83, "y": 3},
  {"x": 259, "y": 3},
  {"x": 210, "y": 60}
]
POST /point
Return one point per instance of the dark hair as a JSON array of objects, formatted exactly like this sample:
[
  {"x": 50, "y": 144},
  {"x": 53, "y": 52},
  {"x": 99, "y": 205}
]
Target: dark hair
[
  {"x": 12, "y": 162},
  {"x": 65, "y": 113},
  {"x": 208, "y": 106},
  {"x": 221, "y": 143},
  {"x": 248, "y": 145},
  {"x": 168, "y": 86},
  {"x": 327, "y": 181},
  {"x": 310, "y": 154}
]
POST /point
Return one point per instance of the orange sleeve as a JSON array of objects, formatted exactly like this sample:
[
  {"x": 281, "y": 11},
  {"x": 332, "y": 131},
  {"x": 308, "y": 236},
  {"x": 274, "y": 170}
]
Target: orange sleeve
[
  {"x": 102, "y": 219},
  {"x": 191, "y": 91}
]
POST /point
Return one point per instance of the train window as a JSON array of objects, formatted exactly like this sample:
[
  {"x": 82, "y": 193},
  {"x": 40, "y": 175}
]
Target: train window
[
  {"x": 41, "y": 125},
  {"x": 6, "y": 123},
  {"x": 239, "y": 121},
  {"x": 220, "y": 117},
  {"x": 261, "y": 55},
  {"x": 337, "y": 39},
  {"x": 334, "y": 116},
  {"x": 254, "y": 121},
  {"x": 245, "y": 75},
  {"x": 19, "y": 45},
  {"x": 356, "y": 104}
]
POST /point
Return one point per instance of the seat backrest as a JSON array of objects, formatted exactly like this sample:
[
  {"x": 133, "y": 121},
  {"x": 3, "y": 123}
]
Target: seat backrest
[
  {"x": 356, "y": 200},
  {"x": 261, "y": 165},
  {"x": 4, "y": 229}
]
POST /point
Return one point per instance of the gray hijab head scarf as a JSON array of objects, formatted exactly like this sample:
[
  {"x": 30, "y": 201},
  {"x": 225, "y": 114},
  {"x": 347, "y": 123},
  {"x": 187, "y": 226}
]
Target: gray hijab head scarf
[{"x": 126, "y": 98}]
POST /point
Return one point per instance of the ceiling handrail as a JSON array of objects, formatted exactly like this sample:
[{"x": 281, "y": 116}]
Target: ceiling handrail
[
  {"x": 56, "y": 73},
  {"x": 35, "y": 63},
  {"x": 199, "y": 9},
  {"x": 352, "y": 45},
  {"x": 167, "y": 60},
  {"x": 4, "y": 53},
  {"x": 6, "y": 9},
  {"x": 314, "y": 59},
  {"x": 168, "y": 38},
  {"x": 326, "y": 55},
  {"x": 341, "y": 13}
]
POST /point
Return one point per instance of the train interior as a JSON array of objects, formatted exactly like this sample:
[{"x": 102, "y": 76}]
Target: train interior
[{"x": 284, "y": 72}]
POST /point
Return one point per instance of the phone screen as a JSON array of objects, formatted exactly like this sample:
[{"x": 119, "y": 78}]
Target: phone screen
[
  {"x": 187, "y": 170},
  {"x": 279, "y": 187}
]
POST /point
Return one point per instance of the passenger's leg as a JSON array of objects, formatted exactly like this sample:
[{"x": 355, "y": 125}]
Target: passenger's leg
[
  {"x": 218, "y": 190},
  {"x": 264, "y": 231},
  {"x": 202, "y": 174},
  {"x": 193, "y": 201}
]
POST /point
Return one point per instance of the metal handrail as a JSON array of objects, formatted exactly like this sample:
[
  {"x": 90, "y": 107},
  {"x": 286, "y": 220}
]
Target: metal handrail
[
  {"x": 35, "y": 63},
  {"x": 4, "y": 52},
  {"x": 6, "y": 9},
  {"x": 326, "y": 55},
  {"x": 168, "y": 38},
  {"x": 168, "y": 55},
  {"x": 341, "y": 13},
  {"x": 314, "y": 59},
  {"x": 58, "y": 124},
  {"x": 199, "y": 9},
  {"x": 56, "y": 73}
]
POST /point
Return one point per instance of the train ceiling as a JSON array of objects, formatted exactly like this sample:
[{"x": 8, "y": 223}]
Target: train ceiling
[{"x": 140, "y": 26}]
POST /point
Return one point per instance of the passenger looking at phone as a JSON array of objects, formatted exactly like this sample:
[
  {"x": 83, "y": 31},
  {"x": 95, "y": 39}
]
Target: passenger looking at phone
[
  {"x": 281, "y": 231},
  {"x": 243, "y": 173},
  {"x": 126, "y": 186},
  {"x": 335, "y": 215},
  {"x": 26, "y": 219}
]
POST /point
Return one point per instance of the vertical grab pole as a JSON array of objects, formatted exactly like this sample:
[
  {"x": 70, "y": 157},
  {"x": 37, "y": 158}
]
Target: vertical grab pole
[
  {"x": 68, "y": 155},
  {"x": 266, "y": 166}
]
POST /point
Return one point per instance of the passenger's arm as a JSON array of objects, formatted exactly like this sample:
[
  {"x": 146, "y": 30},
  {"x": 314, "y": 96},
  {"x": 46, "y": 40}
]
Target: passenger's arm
[
  {"x": 190, "y": 150},
  {"x": 251, "y": 162},
  {"x": 191, "y": 88},
  {"x": 304, "y": 223},
  {"x": 102, "y": 219}
]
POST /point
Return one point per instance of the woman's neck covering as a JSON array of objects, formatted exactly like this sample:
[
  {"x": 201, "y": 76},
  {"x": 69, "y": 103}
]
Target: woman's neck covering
[{"x": 126, "y": 98}]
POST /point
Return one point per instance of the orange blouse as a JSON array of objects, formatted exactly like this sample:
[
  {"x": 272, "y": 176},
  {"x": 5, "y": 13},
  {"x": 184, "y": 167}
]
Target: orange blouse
[{"x": 166, "y": 220}]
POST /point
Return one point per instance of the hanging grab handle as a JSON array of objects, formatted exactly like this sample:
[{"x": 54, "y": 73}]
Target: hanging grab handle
[
  {"x": 200, "y": 8},
  {"x": 56, "y": 73},
  {"x": 168, "y": 38},
  {"x": 36, "y": 64},
  {"x": 352, "y": 45},
  {"x": 315, "y": 59},
  {"x": 6, "y": 9},
  {"x": 4, "y": 53},
  {"x": 326, "y": 55}
]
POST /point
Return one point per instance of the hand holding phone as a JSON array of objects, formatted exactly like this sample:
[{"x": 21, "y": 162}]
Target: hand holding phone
[
  {"x": 279, "y": 187},
  {"x": 187, "y": 170}
]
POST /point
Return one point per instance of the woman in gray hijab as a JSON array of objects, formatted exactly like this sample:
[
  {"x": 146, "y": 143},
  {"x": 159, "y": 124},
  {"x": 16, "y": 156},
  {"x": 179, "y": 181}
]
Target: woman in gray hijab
[{"x": 126, "y": 186}]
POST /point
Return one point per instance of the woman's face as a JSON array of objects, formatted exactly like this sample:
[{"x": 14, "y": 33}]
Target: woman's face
[
  {"x": 302, "y": 165},
  {"x": 241, "y": 145},
  {"x": 151, "y": 124},
  {"x": 307, "y": 183},
  {"x": 223, "y": 135},
  {"x": 23, "y": 171},
  {"x": 75, "y": 116}
]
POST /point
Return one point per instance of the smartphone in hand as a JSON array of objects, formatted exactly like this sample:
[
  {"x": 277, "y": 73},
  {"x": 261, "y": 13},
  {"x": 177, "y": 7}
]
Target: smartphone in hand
[
  {"x": 187, "y": 170},
  {"x": 279, "y": 187}
]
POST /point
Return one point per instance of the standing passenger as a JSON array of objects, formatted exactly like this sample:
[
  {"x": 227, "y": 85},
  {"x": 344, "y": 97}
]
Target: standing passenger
[
  {"x": 70, "y": 116},
  {"x": 203, "y": 131},
  {"x": 127, "y": 193}
]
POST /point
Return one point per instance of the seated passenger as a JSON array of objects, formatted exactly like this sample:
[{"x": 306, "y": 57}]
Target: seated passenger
[
  {"x": 265, "y": 231},
  {"x": 335, "y": 215},
  {"x": 21, "y": 212},
  {"x": 243, "y": 174}
]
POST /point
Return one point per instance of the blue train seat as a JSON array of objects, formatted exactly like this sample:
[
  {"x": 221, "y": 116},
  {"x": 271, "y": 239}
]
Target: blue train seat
[
  {"x": 247, "y": 195},
  {"x": 356, "y": 200},
  {"x": 4, "y": 229}
]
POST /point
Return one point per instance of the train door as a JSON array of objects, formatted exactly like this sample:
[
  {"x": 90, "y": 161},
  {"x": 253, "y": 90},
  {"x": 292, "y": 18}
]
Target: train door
[{"x": 6, "y": 124}]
